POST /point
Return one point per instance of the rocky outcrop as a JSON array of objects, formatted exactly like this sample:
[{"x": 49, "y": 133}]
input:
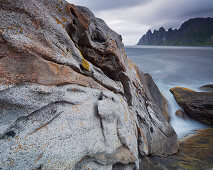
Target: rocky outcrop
[
  {"x": 198, "y": 105},
  {"x": 207, "y": 87},
  {"x": 69, "y": 96},
  {"x": 194, "y": 32},
  {"x": 180, "y": 113},
  {"x": 195, "y": 152},
  {"x": 154, "y": 95}
]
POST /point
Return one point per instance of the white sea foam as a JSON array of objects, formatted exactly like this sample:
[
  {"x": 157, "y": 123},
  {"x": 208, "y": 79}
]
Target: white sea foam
[{"x": 189, "y": 67}]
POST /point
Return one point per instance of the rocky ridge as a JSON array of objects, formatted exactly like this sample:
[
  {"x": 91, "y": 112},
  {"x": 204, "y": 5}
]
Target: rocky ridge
[
  {"x": 194, "y": 32},
  {"x": 69, "y": 96}
]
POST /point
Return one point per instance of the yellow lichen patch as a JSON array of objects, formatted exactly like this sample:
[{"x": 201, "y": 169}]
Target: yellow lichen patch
[
  {"x": 177, "y": 96},
  {"x": 177, "y": 93},
  {"x": 64, "y": 20},
  {"x": 130, "y": 64},
  {"x": 125, "y": 115},
  {"x": 85, "y": 64},
  {"x": 182, "y": 88},
  {"x": 3, "y": 1},
  {"x": 59, "y": 22},
  {"x": 61, "y": 2},
  {"x": 16, "y": 28}
]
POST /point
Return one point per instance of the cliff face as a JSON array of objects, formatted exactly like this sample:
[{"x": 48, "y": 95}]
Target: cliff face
[
  {"x": 69, "y": 95},
  {"x": 194, "y": 32}
]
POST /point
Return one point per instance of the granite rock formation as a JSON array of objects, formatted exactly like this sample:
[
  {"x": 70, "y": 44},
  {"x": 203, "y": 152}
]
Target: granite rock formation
[
  {"x": 197, "y": 105},
  {"x": 194, "y": 32},
  {"x": 69, "y": 96}
]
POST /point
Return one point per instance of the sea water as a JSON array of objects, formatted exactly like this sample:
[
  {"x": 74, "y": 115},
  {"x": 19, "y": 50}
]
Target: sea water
[{"x": 170, "y": 66}]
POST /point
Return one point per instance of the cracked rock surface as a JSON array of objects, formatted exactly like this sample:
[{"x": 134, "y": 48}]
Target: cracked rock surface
[{"x": 69, "y": 96}]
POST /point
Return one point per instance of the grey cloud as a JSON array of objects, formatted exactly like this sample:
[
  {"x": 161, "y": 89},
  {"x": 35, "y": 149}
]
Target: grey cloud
[
  {"x": 98, "y": 5},
  {"x": 132, "y": 18}
]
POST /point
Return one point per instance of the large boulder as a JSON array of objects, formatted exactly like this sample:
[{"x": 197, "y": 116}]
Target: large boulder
[
  {"x": 69, "y": 96},
  {"x": 181, "y": 114},
  {"x": 198, "y": 105}
]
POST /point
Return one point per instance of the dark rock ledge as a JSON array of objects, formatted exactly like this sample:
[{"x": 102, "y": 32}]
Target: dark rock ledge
[{"x": 197, "y": 105}]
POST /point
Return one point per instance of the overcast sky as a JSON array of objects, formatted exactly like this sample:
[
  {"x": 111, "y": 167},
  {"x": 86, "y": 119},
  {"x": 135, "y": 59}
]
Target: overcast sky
[{"x": 133, "y": 18}]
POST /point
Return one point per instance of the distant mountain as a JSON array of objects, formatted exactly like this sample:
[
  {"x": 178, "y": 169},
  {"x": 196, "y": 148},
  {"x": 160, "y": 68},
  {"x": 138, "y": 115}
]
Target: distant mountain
[{"x": 194, "y": 32}]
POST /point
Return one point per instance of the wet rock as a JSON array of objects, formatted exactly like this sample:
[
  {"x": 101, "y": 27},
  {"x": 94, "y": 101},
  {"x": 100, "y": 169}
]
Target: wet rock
[
  {"x": 198, "y": 105},
  {"x": 181, "y": 114},
  {"x": 195, "y": 152},
  {"x": 69, "y": 96},
  {"x": 208, "y": 87}
]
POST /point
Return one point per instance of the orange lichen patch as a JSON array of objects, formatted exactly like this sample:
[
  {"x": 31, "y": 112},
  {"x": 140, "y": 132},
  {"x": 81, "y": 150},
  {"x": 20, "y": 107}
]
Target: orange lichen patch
[
  {"x": 20, "y": 68},
  {"x": 59, "y": 22},
  {"x": 1, "y": 31},
  {"x": 64, "y": 20},
  {"x": 19, "y": 147},
  {"x": 75, "y": 108},
  {"x": 176, "y": 91},
  {"x": 130, "y": 64},
  {"x": 39, "y": 157},
  {"x": 54, "y": 67},
  {"x": 144, "y": 139},
  {"x": 16, "y": 28},
  {"x": 84, "y": 21},
  {"x": 137, "y": 73}
]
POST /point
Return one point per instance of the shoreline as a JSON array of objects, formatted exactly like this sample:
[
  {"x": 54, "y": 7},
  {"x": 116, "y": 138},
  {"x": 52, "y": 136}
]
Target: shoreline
[{"x": 168, "y": 47}]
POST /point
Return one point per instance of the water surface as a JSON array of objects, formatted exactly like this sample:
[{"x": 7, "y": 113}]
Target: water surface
[{"x": 189, "y": 67}]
